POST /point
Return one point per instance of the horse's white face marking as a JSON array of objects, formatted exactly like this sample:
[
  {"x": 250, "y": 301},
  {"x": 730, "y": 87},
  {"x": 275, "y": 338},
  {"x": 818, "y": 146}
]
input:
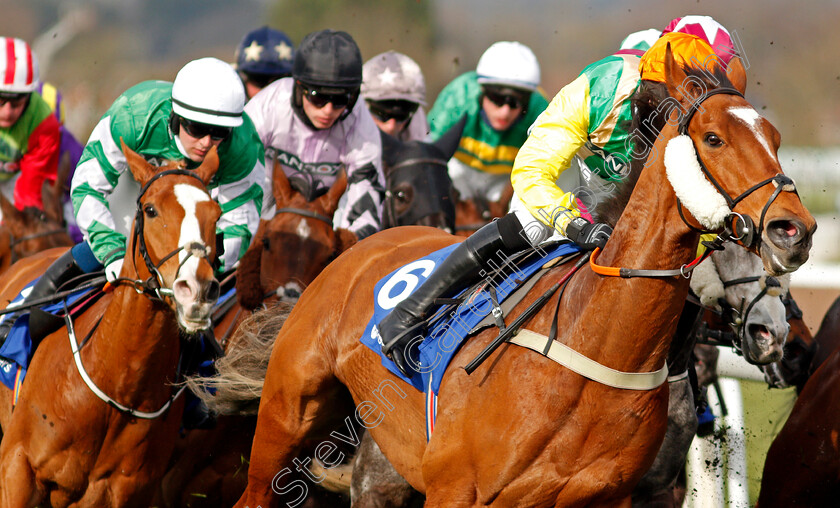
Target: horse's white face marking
[
  {"x": 188, "y": 197},
  {"x": 303, "y": 229},
  {"x": 751, "y": 117}
]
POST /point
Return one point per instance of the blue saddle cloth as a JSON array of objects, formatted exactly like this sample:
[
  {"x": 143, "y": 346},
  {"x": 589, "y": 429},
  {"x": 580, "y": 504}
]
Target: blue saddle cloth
[
  {"x": 447, "y": 330},
  {"x": 16, "y": 352}
]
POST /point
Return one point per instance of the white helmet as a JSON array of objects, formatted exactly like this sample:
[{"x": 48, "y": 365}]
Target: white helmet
[
  {"x": 641, "y": 40},
  {"x": 209, "y": 91},
  {"x": 509, "y": 63},
  {"x": 18, "y": 66},
  {"x": 393, "y": 76}
]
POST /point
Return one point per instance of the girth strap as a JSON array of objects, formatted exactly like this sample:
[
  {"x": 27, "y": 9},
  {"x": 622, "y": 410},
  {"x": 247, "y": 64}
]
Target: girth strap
[{"x": 588, "y": 368}]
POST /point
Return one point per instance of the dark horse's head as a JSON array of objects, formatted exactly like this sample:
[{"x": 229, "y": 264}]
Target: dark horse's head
[{"x": 419, "y": 189}]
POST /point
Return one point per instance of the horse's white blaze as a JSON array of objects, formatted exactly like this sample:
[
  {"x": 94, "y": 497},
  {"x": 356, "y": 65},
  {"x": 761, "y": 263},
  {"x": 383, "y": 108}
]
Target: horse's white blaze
[
  {"x": 303, "y": 229},
  {"x": 751, "y": 117},
  {"x": 188, "y": 197}
]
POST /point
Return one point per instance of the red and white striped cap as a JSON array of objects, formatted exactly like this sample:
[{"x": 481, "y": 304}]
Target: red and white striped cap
[
  {"x": 707, "y": 29},
  {"x": 18, "y": 66}
]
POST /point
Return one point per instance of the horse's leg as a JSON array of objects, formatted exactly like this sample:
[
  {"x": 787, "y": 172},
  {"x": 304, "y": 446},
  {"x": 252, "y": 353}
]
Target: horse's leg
[
  {"x": 299, "y": 391},
  {"x": 17, "y": 480},
  {"x": 376, "y": 484},
  {"x": 655, "y": 487}
]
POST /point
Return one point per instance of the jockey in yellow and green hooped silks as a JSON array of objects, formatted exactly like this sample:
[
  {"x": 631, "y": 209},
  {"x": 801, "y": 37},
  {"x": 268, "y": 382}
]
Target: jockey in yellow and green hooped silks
[{"x": 586, "y": 123}]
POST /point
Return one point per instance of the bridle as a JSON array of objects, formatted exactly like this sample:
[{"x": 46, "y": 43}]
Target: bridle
[
  {"x": 306, "y": 213},
  {"x": 736, "y": 318},
  {"x": 14, "y": 241},
  {"x": 737, "y": 228},
  {"x": 154, "y": 285}
]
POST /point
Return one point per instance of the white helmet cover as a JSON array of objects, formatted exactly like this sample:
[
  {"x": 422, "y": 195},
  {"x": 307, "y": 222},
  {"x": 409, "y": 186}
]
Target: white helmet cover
[
  {"x": 18, "y": 66},
  {"x": 393, "y": 76},
  {"x": 209, "y": 91},
  {"x": 509, "y": 63},
  {"x": 641, "y": 40}
]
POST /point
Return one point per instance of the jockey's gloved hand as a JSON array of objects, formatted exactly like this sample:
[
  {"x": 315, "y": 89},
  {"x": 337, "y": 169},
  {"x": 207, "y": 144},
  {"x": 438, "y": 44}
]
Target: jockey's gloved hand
[
  {"x": 112, "y": 271},
  {"x": 588, "y": 235}
]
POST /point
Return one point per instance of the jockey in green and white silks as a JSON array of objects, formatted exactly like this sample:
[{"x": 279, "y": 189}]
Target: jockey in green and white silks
[
  {"x": 489, "y": 110},
  {"x": 141, "y": 117}
]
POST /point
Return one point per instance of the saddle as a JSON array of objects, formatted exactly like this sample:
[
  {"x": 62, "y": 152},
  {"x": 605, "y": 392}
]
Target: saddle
[{"x": 482, "y": 305}]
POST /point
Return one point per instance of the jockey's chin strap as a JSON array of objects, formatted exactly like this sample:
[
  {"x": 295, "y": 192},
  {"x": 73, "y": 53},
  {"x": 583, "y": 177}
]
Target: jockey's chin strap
[
  {"x": 738, "y": 228},
  {"x": 154, "y": 285}
]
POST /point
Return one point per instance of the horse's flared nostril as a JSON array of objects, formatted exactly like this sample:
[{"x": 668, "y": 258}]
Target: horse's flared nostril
[
  {"x": 211, "y": 293},
  {"x": 182, "y": 290},
  {"x": 788, "y": 233}
]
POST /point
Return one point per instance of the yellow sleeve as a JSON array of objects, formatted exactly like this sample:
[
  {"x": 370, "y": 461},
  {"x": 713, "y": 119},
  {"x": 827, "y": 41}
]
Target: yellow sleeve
[
  {"x": 556, "y": 136},
  {"x": 708, "y": 237}
]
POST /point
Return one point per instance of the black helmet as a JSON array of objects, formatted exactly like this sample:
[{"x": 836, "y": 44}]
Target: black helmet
[{"x": 328, "y": 58}]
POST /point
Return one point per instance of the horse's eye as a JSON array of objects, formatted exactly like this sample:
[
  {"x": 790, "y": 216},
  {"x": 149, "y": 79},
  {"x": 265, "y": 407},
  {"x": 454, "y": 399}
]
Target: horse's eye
[
  {"x": 150, "y": 211},
  {"x": 266, "y": 242},
  {"x": 400, "y": 195},
  {"x": 713, "y": 140}
]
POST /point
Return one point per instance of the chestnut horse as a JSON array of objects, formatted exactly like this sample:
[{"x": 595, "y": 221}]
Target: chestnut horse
[
  {"x": 472, "y": 214},
  {"x": 523, "y": 430},
  {"x": 104, "y": 440},
  {"x": 26, "y": 232},
  {"x": 288, "y": 251},
  {"x": 802, "y": 467}
]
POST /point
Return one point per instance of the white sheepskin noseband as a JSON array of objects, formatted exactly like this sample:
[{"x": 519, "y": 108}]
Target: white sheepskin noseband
[
  {"x": 706, "y": 284},
  {"x": 696, "y": 193}
]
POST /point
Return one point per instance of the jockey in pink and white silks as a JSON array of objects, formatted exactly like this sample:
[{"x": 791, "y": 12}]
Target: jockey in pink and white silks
[{"x": 315, "y": 127}]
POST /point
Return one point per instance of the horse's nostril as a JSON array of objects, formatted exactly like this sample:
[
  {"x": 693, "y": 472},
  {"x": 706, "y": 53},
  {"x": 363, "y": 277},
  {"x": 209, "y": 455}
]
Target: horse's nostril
[{"x": 211, "y": 294}]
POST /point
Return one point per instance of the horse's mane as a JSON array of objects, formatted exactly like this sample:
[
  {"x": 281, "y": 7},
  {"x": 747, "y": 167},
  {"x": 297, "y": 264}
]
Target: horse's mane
[{"x": 648, "y": 124}]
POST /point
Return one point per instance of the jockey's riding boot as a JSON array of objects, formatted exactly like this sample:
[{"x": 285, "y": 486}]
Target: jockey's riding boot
[
  {"x": 406, "y": 323},
  {"x": 62, "y": 270}
]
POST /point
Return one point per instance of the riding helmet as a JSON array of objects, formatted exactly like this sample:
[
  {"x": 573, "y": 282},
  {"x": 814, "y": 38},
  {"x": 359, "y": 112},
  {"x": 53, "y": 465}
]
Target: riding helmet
[
  {"x": 209, "y": 91},
  {"x": 511, "y": 64},
  {"x": 265, "y": 51},
  {"x": 328, "y": 58},
  {"x": 18, "y": 66}
]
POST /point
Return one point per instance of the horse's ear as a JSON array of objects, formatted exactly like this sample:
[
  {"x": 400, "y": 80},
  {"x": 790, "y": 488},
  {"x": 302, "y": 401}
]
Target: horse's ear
[
  {"x": 209, "y": 166},
  {"x": 9, "y": 210},
  {"x": 506, "y": 197},
  {"x": 390, "y": 148},
  {"x": 330, "y": 200},
  {"x": 448, "y": 143},
  {"x": 139, "y": 167},
  {"x": 674, "y": 75},
  {"x": 344, "y": 239},
  {"x": 51, "y": 193},
  {"x": 249, "y": 291},
  {"x": 737, "y": 74},
  {"x": 280, "y": 185}
]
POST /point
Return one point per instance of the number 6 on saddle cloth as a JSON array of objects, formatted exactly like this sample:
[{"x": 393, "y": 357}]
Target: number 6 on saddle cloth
[{"x": 449, "y": 326}]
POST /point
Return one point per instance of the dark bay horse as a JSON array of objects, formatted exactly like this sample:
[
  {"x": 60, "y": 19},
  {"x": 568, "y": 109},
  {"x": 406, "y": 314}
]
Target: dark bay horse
[
  {"x": 802, "y": 467},
  {"x": 419, "y": 190},
  {"x": 23, "y": 233},
  {"x": 523, "y": 429},
  {"x": 105, "y": 440}
]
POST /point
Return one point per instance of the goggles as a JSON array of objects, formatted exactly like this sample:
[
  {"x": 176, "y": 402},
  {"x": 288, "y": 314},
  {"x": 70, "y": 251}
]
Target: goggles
[
  {"x": 198, "y": 130},
  {"x": 399, "y": 110},
  {"x": 16, "y": 99},
  {"x": 320, "y": 98},
  {"x": 507, "y": 97}
]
